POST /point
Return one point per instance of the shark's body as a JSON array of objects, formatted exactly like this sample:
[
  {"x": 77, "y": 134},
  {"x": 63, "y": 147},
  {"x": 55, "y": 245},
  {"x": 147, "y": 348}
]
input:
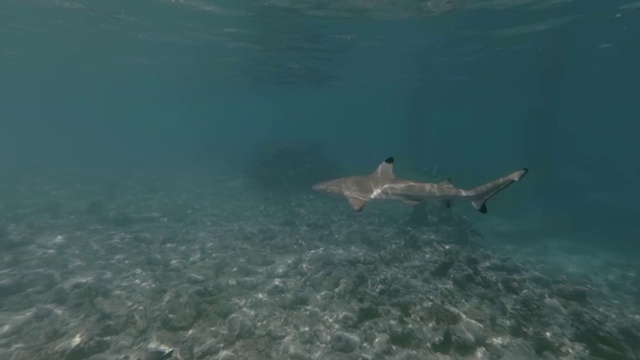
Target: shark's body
[{"x": 383, "y": 184}]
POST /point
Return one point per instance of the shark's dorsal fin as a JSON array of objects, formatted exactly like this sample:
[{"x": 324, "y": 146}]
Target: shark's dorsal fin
[
  {"x": 385, "y": 170},
  {"x": 446, "y": 182},
  {"x": 356, "y": 203}
]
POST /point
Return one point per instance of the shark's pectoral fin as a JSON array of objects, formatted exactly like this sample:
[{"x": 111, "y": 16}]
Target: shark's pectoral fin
[
  {"x": 411, "y": 202},
  {"x": 446, "y": 203},
  {"x": 356, "y": 203}
]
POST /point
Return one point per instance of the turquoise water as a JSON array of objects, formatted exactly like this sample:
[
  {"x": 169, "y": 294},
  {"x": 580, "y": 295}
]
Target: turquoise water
[
  {"x": 182, "y": 98},
  {"x": 468, "y": 87}
]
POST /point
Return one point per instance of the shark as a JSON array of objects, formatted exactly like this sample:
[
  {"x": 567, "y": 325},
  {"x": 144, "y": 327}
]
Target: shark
[{"x": 383, "y": 184}]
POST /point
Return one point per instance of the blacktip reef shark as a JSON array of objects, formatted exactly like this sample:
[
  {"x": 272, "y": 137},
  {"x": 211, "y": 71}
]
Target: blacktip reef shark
[{"x": 382, "y": 184}]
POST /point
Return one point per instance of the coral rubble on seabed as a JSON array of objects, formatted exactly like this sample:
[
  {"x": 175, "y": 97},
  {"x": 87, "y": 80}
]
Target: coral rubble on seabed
[{"x": 209, "y": 269}]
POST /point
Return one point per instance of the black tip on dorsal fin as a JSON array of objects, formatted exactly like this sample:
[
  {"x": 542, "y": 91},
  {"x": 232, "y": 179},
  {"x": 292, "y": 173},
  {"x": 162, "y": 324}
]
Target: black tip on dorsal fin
[
  {"x": 385, "y": 169},
  {"x": 446, "y": 181}
]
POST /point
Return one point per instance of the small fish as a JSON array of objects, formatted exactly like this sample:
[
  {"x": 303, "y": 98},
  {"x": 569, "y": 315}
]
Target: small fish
[{"x": 382, "y": 184}]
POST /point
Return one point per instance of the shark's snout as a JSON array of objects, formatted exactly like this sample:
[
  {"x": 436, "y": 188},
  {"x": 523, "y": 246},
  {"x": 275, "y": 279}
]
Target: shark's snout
[{"x": 321, "y": 186}]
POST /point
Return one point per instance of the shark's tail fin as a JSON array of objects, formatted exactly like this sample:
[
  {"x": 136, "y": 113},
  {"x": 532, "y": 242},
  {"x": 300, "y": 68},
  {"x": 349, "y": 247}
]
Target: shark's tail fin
[{"x": 479, "y": 195}]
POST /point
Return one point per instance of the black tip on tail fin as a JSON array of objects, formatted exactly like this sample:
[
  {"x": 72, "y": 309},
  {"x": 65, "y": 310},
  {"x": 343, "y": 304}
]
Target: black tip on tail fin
[
  {"x": 480, "y": 205},
  {"x": 389, "y": 160}
]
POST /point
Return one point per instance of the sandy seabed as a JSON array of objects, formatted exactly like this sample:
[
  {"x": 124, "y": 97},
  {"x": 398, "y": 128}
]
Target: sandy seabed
[{"x": 195, "y": 266}]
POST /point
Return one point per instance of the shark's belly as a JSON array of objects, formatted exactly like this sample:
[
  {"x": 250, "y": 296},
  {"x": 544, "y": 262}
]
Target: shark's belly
[
  {"x": 417, "y": 192},
  {"x": 383, "y": 195}
]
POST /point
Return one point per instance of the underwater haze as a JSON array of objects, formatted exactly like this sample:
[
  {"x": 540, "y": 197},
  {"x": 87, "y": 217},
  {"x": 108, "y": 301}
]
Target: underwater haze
[{"x": 157, "y": 159}]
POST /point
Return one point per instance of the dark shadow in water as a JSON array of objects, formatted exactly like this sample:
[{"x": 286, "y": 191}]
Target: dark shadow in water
[
  {"x": 541, "y": 126},
  {"x": 286, "y": 169},
  {"x": 569, "y": 212}
]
